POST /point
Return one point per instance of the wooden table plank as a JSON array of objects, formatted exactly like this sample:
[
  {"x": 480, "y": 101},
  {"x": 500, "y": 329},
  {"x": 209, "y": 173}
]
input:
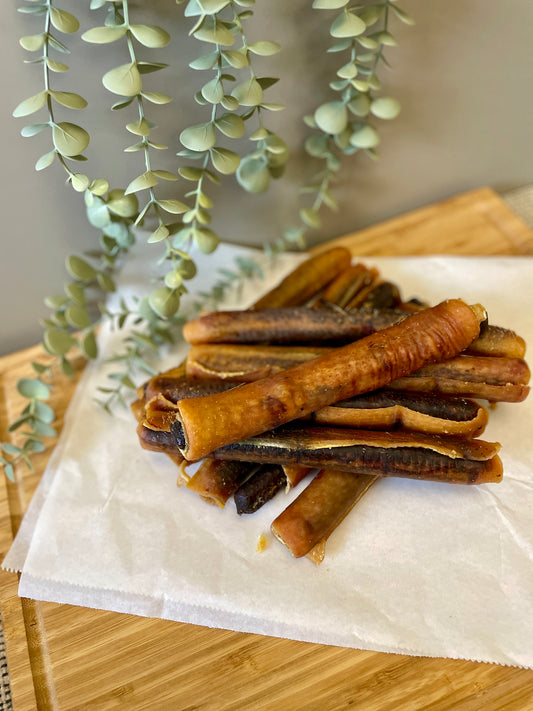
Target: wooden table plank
[{"x": 103, "y": 660}]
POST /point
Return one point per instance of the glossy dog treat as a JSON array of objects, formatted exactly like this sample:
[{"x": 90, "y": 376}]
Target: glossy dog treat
[
  {"x": 409, "y": 455},
  {"x": 205, "y": 423},
  {"x": 305, "y": 525},
  {"x": 307, "y": 279},
  {"x": 216, "y": 481}
]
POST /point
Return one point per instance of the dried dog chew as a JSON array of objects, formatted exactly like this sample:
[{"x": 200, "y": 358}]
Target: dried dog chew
[
  {"x": 216, "y": 481},
  {"x": 446, "y": 459},
  {"x": 346, "y": 286},
  {"x": 259, "y": 488},
  {"x": 205, "y": 423},
  {"x": 493, "y": 379},
  {"x": 305, "y": 525},
  {"x": 307, "y": 279},
  {"x": 326, "y": 326}
]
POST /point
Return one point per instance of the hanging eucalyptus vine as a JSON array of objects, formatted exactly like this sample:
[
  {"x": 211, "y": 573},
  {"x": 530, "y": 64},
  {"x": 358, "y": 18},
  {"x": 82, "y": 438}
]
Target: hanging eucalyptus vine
[{"x": 236, "y": 107}]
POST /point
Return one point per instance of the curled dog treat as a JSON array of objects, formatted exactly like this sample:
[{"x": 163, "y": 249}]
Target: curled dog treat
[
  {"x": 346, "y": 286},
  {"x": 305, "y": 525},
  {"x": 205, "y": 423},
  {"x": 216, "y": 481},
  {"x": 307, "y": 279},
  {"x": 259, "y": 488},
  {"x": 400, "y": 454}
]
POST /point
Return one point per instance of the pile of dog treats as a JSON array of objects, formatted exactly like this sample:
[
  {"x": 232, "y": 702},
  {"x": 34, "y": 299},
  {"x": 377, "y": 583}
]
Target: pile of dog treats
[{"x": 334, "y": 379}]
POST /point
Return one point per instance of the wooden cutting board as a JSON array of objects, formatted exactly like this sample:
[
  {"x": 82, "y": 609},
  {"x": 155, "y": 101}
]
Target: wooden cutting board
[{"x": 71, "y": 658}]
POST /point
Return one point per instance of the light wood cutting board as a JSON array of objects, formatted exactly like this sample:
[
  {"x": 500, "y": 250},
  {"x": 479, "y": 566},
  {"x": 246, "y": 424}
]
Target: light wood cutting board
[{"x": 71, "y": 658}]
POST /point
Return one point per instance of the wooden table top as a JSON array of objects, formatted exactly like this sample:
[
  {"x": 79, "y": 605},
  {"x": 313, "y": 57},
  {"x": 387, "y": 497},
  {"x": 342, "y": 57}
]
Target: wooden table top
[{"x": 71, "y": 658}]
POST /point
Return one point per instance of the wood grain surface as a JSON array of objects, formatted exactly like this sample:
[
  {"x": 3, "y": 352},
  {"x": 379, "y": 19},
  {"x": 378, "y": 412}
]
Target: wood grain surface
[{"x": 71, "y": 658}]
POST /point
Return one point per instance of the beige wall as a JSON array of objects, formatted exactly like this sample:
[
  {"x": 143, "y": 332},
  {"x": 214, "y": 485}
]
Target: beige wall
[{"x": 463, "y": 75}]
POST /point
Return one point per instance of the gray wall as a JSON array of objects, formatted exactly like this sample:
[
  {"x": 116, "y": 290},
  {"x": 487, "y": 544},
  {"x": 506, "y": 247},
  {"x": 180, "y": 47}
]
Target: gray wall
[{"x": 463, "y": 76}]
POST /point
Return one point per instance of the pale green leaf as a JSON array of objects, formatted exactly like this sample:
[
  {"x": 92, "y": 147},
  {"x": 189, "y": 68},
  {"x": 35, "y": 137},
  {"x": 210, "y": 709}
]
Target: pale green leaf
[
  {"x": 57, "y": 341},
  {"x": 329, "y": 4},
  {"x": 206, "y": 240},
  {"x": 103, "y": 35},
  {"x": 139, "y": 128},
  {"x": 248, "y": 93},
  {"x": 33, "y": 130},
  {"x": 360, "y": 105},
  {"x": 310, "y": 217},
  {"x": 68, "y": 99},
  {"x": 259, "y": 134},
  {"x": 165, "y": 175},
  {"x": 173, "y": 279},
  {"x": 149, "y": 67},
  {"x": 191, "y": 173},
  {"x": 88, "y": 345},
  {"x": 69, "y": 139},
  {"x": 159, "y": 234},
  {"x": 211, "y": 7},
  {"x": 121, "y": 204},
  {"x": 173, "y": 206},
  {"x": 79, "y": 268},
  {"x": 156, "y": 97},
  {"x": 55, "y": 66},
  {"x": 124, "y": 80},
  {"x": 264, "y": 48},
  {"x": 403, "y": 16},
  {"x": 213, "y": 91},
  {"x": 215, "y": 32},
  {"x": 206, "y": 61},
  {"x": 164, "y": 301},
  {"x": 30, "y": 105},
  {"x": 99, "y": 186},
  {"x": 347, "y": 25},
  {"x": 231, "y": 125},
  {"x": 80, "y": 182},
  {"x": 230, "y": 103},
  {"x": 142, "y": 182},
  {"x": 332, "y": 117},
  {"x": 385, "y": 107},
  {"x": 235, "y": 58},
  {"x": 348, "y": 71},
  {"x": 77, "y": 316},
  {"x": 64, "y": 21},
  {"x": 46, "y": 160},
  {"x": 365, "y": 137},
  {"x": 200, "y": 137},
  {"x": 150, "y": 35},
  {"x": 33, "y": 389},
  {"x": 253, "y": 175},
  {"x": 224, "y": 160},
  {"x": 32, "y": 43}
]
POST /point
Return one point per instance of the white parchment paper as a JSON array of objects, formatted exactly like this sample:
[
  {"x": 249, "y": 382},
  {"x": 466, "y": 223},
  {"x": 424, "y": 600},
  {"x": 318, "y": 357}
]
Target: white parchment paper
[{"x": 418, "y": 567}]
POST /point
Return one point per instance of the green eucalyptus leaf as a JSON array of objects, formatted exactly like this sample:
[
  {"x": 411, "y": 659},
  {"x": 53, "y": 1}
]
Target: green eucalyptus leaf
[
  {"x": 191, "y": 173},
  {"x": 332, "y": 117},
  {"x": 68, "y": 99},
  {"x": 230, "y": 103},
  {"x": 32, "y": 43},
  {"x": 121, "y": 204},
  {"x": 30, "y": 105},
  {"x": 206, "y": 240},
  {"x": 360, "y": 105},
  {"x": 211, "y": 7},
  {"x": 156, "y": 97},
  {"x": 402, "y": 15},
  {"x": 253, "y": 175},
  {"x": 104, "y": 35},
  {"x": 224, "y": 160},
  {"x": 105, "y": 282},
  {"x": 99, "y": 186},
  {"x": 365, "y": 137},
  {"x": 149, "y": 67},
  {"x": 45, "y": 160},
  {"x": 317, "y": 146},
  {"x": 9, "y": 448},
  {"x": 174, "y": 206},
  {"x": 150, "y": 35},
  {"x": 215, "y": 32},
  {"x": 44, "y": 429},
  {"x": 88, "y": 345},
  {"x": 231, "y": 125},
  {"x": 347, "y": 24},
  {"x": 57, "y": 341},
  {"x": 207, "y": 61},
  {"x": 248, "y": 93},
  {"x": 370, "y": 15},
  {"x": 310, "y": 217},
  {"x": 80, "y": 182},
  {"x": 63, "y": 21},
  {"x": 348, "y": 71},
  {"x": 33, "y": 388},
  {"x": 69, "y": 139},
  {"x": 159, "y": 234},
  {"x": 122, "y": 104},
  {"x": 165, "y": 175},
  {"x": 341, "y": 46},
  {"x": 272, "y": 107},
  {"x": 79, "y": 269},
  {"x": 139, "y": 128},
  {"x": 385, "y": 38},
  {"x": 98, "y": 214},
  {"x": 57, "y": 45},
  {"x": 237, "y": 59},
  {"x": 329, "y": 4},
  {"x": 124, "y": 80},
  {"x": 32, "y": 130},
  {"x": 76, "y": 292},
  {"x": 264, "y": 48},
  {"x": 57, "y": 67},
  {"x": 385, "y": 107},
  {"x": 164, "y": 302},
  {"x": 44, "y": 412},
  {"x": 200, "y": 137},
  {"x": 142, "y": 182},
  {"x": 213, "y": 91},
  {"x": 77, "y": 316}
]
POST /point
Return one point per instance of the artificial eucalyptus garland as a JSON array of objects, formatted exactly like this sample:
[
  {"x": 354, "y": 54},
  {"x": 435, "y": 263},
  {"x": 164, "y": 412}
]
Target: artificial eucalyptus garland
[{"x": 236, "y": 105}]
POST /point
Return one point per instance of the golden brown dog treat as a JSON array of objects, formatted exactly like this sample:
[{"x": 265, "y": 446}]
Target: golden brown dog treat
[
  {"x": 215, "y": 481},
  {"x": 307, "y": 279},
  {"x": 306, "y": 524},
  {"x": 205, "y": 423}
]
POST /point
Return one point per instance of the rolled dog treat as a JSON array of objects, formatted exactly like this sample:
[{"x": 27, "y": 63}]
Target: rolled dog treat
[
  {"x": 490, "y": 378},
  {"x": 409, "y": 455},
  {"x": 307, "y": 279},
  {"x": 306, "y": 524},
  {"x": 346, "y": 285},
  {"x": 259, "y": 488},
  {"x": 204, "y": 424},
  {"x": 216, "y": 481}
]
